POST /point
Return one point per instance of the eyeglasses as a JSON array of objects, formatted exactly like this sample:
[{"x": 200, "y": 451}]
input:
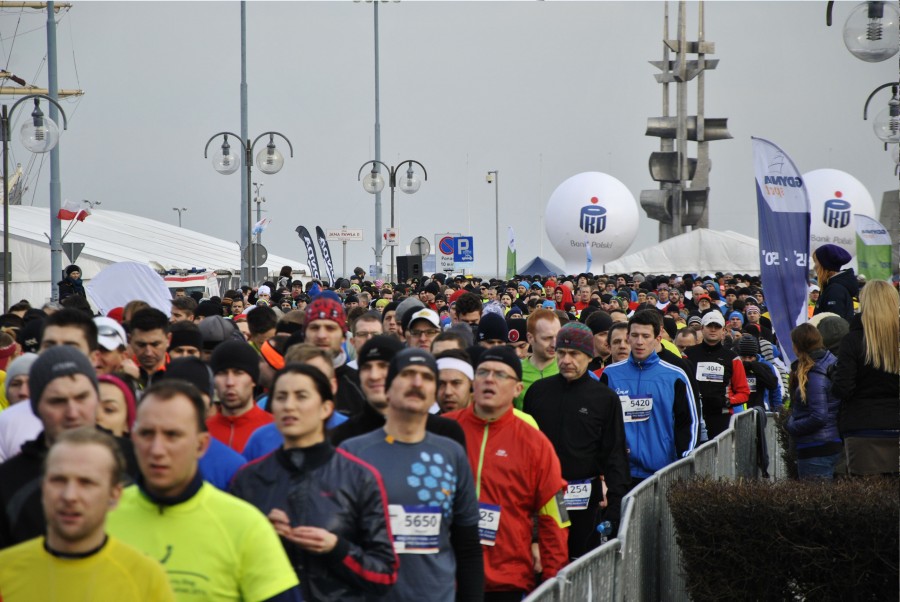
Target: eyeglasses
[
  {"x": 497, "y": 374},
  {"x": 428, "y": 332},
  {"x": 108, "y": 331}
]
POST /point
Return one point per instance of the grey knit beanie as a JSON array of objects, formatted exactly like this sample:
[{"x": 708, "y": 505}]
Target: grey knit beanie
[{"x": 61, "y": 360}]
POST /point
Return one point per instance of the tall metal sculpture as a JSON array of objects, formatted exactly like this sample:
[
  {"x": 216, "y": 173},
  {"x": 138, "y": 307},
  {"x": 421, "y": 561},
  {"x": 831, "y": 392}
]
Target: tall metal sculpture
[{"x": 683, "y": 195}]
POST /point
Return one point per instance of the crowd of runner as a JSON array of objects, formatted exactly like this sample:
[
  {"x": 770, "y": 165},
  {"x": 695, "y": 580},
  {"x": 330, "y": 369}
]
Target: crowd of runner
[{"x": 445, "y": 438}]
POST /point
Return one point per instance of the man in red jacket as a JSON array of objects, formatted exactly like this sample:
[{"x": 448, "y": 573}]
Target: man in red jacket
[
  {"x": 517, "y": 476},
  {"x": 235, "y": 367}
]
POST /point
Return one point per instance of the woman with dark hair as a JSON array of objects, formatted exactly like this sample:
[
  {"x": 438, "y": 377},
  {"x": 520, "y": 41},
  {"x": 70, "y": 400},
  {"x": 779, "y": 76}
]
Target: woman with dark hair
[
  {"x": 814, "y": 408},
  {"x": 71, "y": 284},
  {"x": 867, "y": 380},
  {"x": 328, "y": 506},
  {"x": 117, "y": 404},
  {"x": 284, "y": 277}
]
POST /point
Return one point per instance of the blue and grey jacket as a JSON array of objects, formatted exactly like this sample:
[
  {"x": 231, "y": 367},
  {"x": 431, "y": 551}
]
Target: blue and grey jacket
[{"x": 669, "y": 430}]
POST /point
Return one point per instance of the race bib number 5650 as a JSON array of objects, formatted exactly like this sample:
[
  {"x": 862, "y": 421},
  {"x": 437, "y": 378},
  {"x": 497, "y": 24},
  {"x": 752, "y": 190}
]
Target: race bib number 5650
[{"x": 416, "y": 529}]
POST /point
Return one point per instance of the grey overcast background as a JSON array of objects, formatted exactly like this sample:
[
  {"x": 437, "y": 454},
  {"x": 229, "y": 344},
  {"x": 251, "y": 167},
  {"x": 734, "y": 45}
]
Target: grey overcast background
[{"x": 537, "y": 90}]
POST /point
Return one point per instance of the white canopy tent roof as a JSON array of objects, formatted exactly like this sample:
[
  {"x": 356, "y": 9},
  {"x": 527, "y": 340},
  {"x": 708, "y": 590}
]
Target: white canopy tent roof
[
  {"x": 698, "y": 251},
  {"x": 112, "y": 237}
]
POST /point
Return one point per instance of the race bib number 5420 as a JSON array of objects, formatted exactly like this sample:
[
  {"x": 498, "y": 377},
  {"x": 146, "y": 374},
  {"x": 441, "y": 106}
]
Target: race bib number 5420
[{"x": 637, "y": 408}]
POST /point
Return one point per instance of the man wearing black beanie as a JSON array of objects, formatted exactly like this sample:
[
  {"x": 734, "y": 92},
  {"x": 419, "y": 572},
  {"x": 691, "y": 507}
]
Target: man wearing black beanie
[
  {"x": 374, "y": 362},
  {"x": 235, "y": 367}
]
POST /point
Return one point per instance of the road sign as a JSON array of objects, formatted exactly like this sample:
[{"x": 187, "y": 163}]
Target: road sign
[
  {"x": 258, "y": 254},
  {"x": 420, "y": 246},
  {"x": 391, "y": 236},
  {"x": 443, "y": 252},
  {"x": 72, "y": 250},
  {"x": 463, "y": 251},
  {"x": 344, "y": 234}
]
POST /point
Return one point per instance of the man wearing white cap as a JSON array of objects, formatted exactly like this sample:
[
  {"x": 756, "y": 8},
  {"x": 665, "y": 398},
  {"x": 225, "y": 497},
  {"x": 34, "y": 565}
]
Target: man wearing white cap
[
  {"x": 721, "y": 380},
  {"x": 113, "y": 344},
  {"x": 424, "y": 325}
]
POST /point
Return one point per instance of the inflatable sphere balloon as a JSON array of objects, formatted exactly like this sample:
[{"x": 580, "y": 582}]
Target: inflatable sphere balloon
[
  {"x": 834, "y": 196},
  {"x": 591, "y": 214}
]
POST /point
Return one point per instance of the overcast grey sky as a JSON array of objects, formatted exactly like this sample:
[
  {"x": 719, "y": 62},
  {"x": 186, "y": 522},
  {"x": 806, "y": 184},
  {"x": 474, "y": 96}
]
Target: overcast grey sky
[{"x": 537, "y": 90}]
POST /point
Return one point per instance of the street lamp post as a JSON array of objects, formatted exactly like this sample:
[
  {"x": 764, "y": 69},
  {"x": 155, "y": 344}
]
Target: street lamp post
[
  {"x": 259, "y": 200},
  {"x": 373, "y": 183},
  {"x": 180, "y": 210},
  {"x": 40, "y": 134},
  {"x": 226, "y": 162},
  {"x": 493, "y": 177}
]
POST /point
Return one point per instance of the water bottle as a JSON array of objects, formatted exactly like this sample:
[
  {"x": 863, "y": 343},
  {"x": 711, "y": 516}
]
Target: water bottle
[{"x": 604, "y": 529}]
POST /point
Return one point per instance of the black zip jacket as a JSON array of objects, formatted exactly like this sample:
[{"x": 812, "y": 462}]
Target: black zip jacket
[
  {"x": 583, "y": 420},
  {"x": 323, "y": 487}
]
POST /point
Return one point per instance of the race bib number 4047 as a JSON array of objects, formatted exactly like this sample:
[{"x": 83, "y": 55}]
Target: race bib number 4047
[{"x": 710, "y": 372}]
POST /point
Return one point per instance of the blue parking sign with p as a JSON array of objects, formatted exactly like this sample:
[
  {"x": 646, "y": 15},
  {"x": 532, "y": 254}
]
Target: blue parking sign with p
[{"x": 463, "y": 251}]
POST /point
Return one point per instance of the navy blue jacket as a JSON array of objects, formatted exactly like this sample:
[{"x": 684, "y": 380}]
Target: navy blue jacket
[
  {"x": 814, "y": 424},
  {"x": 837, "y": 295}
]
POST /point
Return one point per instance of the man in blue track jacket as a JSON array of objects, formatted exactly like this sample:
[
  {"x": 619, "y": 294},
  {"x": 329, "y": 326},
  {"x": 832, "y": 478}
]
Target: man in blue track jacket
[{"x": 661, "y": 420}]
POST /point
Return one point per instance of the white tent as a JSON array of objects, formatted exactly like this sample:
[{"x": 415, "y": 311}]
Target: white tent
[
  {"x": 699, "y": 251},
  {"x": 111, "y": 237}
]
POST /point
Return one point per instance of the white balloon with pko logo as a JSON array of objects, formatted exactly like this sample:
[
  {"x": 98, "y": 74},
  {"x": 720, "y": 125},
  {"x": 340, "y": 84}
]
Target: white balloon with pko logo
[
  {"x": 834, "y": 197},
  {"x": 595, "y": 210}
]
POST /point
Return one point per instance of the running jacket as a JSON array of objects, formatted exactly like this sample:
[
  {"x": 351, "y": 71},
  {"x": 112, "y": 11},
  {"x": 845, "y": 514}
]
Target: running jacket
[
  {"x": 718, "y": 393},
  {"x": 213, "y": 545},
  {"x": 670, "y": 430},
  {"x": 332, "y": 489},
  {"x": 234, "y": 431},
  {"x": 516, "y": 468},
  {"x": 583, "y": 420}
]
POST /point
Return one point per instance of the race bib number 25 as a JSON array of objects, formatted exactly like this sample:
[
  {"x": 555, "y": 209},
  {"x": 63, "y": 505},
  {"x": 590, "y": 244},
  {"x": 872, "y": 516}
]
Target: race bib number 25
[{"x": 488, "y": 523}]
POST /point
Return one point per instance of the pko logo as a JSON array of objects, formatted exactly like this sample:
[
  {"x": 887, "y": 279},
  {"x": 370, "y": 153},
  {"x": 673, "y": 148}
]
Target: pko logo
[
  {"x": 593, "y": 217},
  {"x": 790, "y": 182},
  {"x": 837, "y": 212}
]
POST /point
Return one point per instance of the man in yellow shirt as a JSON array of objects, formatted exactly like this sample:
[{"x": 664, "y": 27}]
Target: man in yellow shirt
[
  {"x": 213, "y": 545},
  {"x": 77, "y": 560}
]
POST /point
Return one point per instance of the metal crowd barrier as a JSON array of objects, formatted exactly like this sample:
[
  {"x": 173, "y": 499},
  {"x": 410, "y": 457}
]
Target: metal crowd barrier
[{"x": 643, "y": 562}]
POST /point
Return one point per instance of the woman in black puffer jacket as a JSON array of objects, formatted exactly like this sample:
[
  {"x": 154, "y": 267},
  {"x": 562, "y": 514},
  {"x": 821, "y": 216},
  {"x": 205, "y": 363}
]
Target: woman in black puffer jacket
[
  {"x": 327, "y": 505},
  {"x": 867, "y": 379},
  {"x": 71, "y": 284}
]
